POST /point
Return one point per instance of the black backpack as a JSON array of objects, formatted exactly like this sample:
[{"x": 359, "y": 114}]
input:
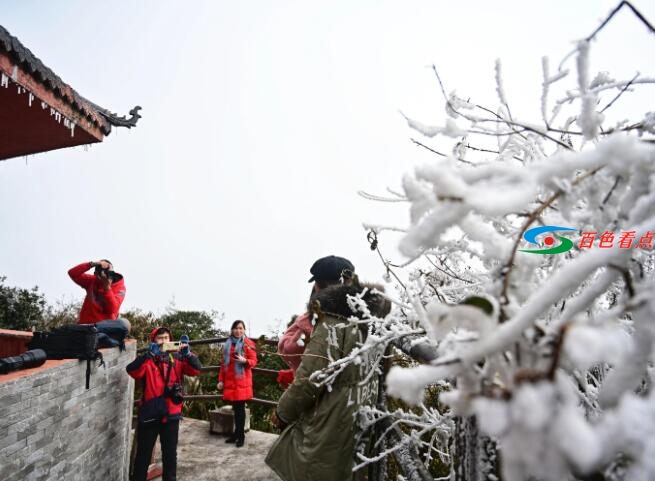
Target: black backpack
[{"x": 76, "y": 341}]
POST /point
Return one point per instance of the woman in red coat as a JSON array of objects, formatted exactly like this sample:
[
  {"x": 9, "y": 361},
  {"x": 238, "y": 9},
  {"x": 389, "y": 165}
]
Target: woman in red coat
[{"x": 235, "y": 377}]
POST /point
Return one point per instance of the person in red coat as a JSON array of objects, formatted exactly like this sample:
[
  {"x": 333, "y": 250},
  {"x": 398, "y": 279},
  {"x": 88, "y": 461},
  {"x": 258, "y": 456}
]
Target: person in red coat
[
  {"x": 105, "y": 291},
  {"x": 162, "y": 374},
  {"x": 235, "y": 377}
]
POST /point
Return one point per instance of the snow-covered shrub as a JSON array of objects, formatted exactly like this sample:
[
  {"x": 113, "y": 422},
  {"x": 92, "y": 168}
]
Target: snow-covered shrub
[{"x": 556, "y": 369}]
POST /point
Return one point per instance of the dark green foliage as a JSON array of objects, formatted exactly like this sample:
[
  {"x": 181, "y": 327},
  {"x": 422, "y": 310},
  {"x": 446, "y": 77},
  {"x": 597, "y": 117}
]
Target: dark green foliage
[
  {"x": 142, "y": 324},
  {"x": 20, "y": 309},
  {"x": 60, "y": 314},
  {"x": 196, "y": 324},
  {"x": 265, "y": 386},
  {"x": 480, "y": 303}
]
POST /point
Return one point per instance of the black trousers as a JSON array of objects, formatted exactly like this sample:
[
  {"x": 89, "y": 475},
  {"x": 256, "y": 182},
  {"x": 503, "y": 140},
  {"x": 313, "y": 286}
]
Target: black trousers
[
  {"x": 239, "y": 408},
  {"x": 145, "y": 442}
]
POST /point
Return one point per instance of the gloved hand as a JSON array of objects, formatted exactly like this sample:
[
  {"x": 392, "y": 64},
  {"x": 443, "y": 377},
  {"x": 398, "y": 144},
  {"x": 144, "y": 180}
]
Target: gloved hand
[
  {"x": 154, "y": 349},
  {"x": 184, "y": 343},
  {"x": 277, "y": 421},
  {"x": 285, "y": 377}
]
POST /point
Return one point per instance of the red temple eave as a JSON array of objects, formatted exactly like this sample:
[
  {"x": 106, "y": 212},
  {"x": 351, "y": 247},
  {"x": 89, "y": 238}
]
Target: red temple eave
[{"x": 33, "y": 119}]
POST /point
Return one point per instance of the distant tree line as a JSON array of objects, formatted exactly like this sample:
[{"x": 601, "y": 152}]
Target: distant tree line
[{"x": 27, "y": 309}]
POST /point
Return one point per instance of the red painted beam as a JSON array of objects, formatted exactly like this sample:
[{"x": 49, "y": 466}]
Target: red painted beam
[{"x": 26, "y": 127}]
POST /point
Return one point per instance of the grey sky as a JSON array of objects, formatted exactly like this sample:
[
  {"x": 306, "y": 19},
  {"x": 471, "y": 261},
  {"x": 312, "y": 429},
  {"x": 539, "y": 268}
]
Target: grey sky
[{"x": 261, "y": 121}]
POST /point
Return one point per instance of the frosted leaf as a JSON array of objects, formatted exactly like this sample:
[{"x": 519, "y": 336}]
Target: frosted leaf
[
  {"x": 576, "y": 439},
  {"x": 601, "y": 79},
  {"x": 450, "y": 129},
  {"x": 533, "y": 405},
  {"x": 445, "y": 318},
  {"x": 649, "y": 122},
  {"x": 500, "y": 90},
  {"x": 456, "y": 104},
  {"x": 493, "y": 415},
  {"x": 589, "y": 120},
  {"x": 586, "y": 346}
]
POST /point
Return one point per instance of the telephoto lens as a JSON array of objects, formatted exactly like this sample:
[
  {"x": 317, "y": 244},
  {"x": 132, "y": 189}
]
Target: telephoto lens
[{"x": 29, "y": 359}]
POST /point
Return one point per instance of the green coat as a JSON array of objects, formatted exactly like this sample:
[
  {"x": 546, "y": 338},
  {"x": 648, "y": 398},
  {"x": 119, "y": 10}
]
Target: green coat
[{"x": 319, "y": 442}]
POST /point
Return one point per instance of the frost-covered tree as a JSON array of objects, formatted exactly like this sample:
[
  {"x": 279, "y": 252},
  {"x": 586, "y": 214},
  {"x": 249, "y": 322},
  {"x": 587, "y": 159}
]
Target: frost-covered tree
[{"x": 544, "y": 358}]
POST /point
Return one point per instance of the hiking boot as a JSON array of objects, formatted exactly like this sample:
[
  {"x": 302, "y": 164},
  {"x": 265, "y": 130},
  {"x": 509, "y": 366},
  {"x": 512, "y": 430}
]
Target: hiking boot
[
  {"x": 231, "y": 440},
  {"x": 240, "y": 442}
]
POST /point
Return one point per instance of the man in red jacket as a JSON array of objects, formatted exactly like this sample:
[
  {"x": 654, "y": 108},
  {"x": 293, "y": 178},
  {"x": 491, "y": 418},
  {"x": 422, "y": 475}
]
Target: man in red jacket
[
  {"x": 105, "y": 291},
  {"x": 162, "y": 373}
]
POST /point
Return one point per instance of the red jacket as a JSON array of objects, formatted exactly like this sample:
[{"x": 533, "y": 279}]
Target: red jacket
[
  {"x": 99, "y": 304},
  {"x": 152, "y": 370},
  {"x": 238, "y": 388},
  {"x": 293, "y": 341}
]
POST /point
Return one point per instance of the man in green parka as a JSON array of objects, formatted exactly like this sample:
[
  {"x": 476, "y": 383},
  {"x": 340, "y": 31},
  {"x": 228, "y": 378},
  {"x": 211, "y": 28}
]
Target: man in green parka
[{"x": 318, "y": 442}]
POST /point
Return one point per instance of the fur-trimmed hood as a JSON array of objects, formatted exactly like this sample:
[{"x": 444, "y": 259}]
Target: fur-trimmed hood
[{"x": 333, "y": 300}]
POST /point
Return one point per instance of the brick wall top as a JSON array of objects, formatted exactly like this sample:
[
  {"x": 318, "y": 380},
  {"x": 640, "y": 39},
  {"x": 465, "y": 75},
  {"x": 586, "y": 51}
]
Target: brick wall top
[
  {"x": 51, "y": 364},
  {"x": 13, "y": 343},
  {"x": 26, "y": 335}
]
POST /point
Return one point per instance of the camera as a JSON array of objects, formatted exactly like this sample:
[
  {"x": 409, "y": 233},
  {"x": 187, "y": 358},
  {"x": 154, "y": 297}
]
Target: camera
[
  {"x": 99, "y": 270},
  {"x": 175, "y": 392},
  {"x": 170, "y": 346}
]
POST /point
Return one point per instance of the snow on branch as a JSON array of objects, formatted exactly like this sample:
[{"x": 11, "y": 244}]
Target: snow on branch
[{"x": 547, "y": 339}]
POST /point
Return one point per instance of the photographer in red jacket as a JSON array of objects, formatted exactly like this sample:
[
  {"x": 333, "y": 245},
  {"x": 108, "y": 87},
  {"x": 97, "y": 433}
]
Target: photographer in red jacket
[
  {"x": 105, "y": 292},
  {"x": 162, "y": 370}
]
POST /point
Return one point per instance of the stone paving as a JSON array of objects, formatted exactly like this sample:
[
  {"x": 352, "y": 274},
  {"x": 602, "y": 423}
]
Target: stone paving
[{"x": 202, "y": 456}]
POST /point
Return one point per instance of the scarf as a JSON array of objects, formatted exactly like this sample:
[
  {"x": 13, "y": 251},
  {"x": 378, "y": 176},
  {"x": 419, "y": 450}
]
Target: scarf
[{"x": 238, "y": 349}]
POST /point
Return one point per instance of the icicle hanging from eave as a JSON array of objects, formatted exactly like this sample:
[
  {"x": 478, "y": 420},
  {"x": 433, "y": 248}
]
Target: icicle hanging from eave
[{"x": 68, "y": 124}]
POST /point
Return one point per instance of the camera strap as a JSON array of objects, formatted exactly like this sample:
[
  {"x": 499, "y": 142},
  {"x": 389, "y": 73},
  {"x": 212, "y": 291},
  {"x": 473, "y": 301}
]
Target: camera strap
[{"x": 168, "y": 373}]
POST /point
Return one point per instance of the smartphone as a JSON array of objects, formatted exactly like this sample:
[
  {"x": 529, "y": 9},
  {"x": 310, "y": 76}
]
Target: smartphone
[{"x": 170, "y": 346}]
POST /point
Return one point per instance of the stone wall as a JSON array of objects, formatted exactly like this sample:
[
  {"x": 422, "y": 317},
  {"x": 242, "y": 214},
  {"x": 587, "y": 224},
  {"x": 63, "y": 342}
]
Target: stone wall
[{"x": 52, "y": 428}]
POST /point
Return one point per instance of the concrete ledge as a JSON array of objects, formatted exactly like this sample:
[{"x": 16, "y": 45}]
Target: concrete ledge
[
  {"x": 107, "y": 353},
  {"x": 202, "y": 456}
]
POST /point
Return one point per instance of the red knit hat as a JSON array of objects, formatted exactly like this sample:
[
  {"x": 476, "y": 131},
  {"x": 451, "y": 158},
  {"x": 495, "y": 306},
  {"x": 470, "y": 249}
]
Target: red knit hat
[{"x": 160, "y": 330}]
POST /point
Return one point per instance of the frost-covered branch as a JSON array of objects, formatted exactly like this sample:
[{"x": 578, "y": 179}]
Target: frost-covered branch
[{"x": 554, "y": 357}]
